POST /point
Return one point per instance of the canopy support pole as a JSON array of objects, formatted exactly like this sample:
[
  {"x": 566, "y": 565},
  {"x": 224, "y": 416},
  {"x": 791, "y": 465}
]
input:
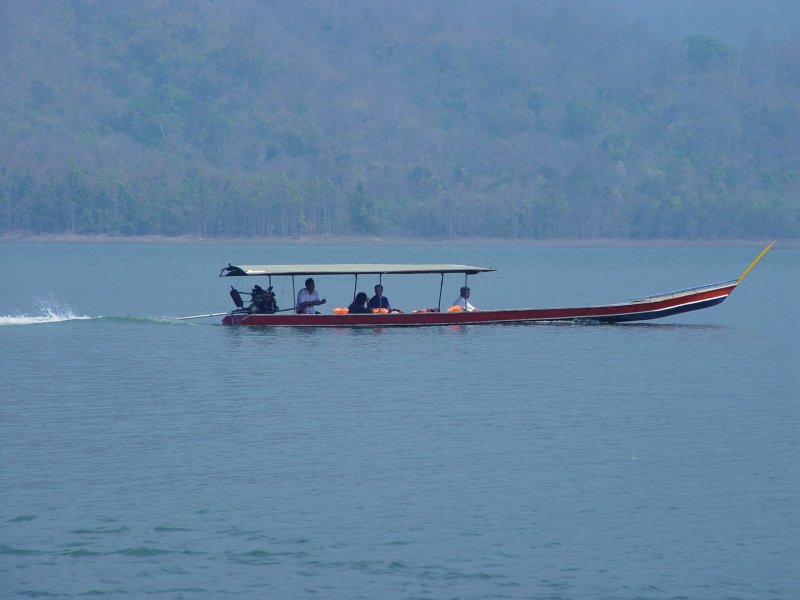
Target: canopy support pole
[
  {"x": 294, "y": 297},
  {"x": 355, "y": 286},
  {"x": 441, "y": 285}
]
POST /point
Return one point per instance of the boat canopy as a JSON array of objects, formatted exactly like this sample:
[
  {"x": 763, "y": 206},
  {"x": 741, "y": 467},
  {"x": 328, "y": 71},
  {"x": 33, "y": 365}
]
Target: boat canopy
[{"x": 347, "y": 269}]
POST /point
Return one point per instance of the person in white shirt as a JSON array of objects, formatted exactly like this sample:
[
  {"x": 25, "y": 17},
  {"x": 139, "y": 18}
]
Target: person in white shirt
[
  {"x": 307, "y": 299},
  {"x": 463, "y": 300}
]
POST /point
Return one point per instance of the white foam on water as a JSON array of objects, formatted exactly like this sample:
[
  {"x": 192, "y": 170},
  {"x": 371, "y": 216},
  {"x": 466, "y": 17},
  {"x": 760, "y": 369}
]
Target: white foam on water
[{"x": 48, "y": 311}]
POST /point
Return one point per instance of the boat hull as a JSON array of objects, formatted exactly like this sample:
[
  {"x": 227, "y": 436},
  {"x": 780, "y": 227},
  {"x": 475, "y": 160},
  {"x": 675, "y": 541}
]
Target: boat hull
[{"x": 654, "y": 307}]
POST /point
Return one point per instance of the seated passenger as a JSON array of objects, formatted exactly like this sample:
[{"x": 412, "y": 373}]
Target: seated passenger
[
  {"x": 359, "y": 305},
  {"x": 379, "y": 300},
  {"x": 463, "y": 300}
]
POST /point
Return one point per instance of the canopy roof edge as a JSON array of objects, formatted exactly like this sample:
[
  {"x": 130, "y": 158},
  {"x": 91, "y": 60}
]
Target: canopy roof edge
[{"x": 348, "y": 269}]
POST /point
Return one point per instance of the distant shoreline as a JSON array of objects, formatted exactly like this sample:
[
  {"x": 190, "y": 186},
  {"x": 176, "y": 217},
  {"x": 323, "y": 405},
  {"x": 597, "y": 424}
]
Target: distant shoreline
[{"x": 329, "y": 240}]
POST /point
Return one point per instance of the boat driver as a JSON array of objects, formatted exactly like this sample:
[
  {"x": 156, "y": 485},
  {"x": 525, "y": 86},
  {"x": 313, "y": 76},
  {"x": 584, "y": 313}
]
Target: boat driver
[{"x": 307, "y": 299}]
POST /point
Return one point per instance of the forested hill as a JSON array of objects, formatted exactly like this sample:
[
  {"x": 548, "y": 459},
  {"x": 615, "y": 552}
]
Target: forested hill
[{"x": 444, "y": 118}]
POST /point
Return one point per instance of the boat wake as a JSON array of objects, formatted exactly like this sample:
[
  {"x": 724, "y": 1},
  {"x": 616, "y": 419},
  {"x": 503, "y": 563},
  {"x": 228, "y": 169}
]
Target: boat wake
[
  {"x": 157, "y": 320},
  {"x": 47, "y": 311}
]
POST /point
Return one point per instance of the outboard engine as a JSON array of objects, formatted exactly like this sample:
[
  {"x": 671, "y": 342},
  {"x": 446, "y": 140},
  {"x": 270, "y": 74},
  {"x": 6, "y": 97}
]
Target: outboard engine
[{"x": 263, "y": 301}]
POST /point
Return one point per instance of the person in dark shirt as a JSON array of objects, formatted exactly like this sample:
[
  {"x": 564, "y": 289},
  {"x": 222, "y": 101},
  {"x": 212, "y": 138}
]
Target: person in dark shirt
[
  {"x": 359, "y": 305},
  {"x": 379, "y": 300}
]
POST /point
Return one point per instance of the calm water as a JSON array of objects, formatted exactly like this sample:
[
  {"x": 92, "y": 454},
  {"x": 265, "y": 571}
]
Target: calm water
[{"x": 144, "y": 457}]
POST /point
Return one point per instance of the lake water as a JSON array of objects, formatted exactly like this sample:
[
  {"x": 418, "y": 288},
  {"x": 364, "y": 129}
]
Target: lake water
[{"x": 144, "y": 457}]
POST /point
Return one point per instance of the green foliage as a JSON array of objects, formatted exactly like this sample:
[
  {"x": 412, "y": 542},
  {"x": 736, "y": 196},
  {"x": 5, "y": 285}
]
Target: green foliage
[
  {"x": 523, "y": 119},
  {"x": 580, "y": 121},
  {"x": 614, "y": 144},
  {"x": 41, "y": 94},
  {"x": 362, "y": 212},
  {"x": 703, "y": 50},
  {"x": 534, "y": 102}
]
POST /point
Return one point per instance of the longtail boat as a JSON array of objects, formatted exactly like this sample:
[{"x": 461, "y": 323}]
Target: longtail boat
[{"x": 263, "y": 310}]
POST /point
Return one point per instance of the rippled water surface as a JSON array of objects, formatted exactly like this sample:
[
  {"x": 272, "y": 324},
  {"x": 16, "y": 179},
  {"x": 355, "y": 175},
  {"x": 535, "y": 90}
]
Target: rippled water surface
[{"x": 145, "y": 457}]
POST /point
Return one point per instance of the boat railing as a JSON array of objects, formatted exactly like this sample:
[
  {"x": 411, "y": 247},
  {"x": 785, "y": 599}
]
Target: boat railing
[{"x": 683, "y": 292}]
